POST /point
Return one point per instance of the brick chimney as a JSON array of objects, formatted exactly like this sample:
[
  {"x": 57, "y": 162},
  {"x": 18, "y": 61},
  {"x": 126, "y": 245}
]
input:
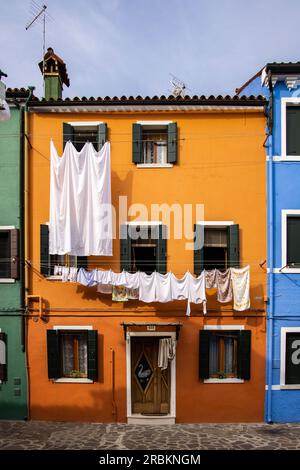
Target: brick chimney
[{"x": 55, "y": 75}]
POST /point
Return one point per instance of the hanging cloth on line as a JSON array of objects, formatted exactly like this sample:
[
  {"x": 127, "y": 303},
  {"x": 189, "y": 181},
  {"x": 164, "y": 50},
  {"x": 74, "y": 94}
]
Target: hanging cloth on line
[
  {"x": 241, "y": 288},
  {"x": 166, "y": 352},
  {"x": 80, "y": 201}
]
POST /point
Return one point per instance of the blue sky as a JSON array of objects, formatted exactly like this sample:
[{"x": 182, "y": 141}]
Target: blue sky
[{"x": 130, "y": 47}]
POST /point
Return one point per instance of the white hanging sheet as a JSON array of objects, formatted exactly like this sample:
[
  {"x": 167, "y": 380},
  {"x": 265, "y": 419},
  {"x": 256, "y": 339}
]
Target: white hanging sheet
[{"x": 80, "y": 201}]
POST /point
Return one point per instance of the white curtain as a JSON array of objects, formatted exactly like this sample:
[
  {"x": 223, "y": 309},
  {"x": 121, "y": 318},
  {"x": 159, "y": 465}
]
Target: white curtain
[{"x": 80, "y": 201}]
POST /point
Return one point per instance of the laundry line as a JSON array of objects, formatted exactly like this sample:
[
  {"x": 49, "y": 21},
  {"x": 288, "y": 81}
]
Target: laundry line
[{"x": 232, "y": 284}]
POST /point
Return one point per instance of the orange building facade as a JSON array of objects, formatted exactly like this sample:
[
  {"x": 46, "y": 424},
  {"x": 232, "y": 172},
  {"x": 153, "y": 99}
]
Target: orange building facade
[{"x": 218, "y": 161}]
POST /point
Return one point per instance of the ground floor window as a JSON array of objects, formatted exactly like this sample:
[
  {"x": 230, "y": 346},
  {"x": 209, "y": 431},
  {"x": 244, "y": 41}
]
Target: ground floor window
[
  {"x": 72, "y": 354},
  {"x": 290, "y": 357},
  {"x": 224, "y": 353}
]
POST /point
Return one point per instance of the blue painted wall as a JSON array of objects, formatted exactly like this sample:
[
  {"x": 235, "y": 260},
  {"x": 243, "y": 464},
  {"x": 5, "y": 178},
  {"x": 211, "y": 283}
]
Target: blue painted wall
[{"x": 284, "y": 301}]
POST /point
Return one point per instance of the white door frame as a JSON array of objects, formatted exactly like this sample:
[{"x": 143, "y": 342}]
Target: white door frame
[{"x": 129, "y": 334}]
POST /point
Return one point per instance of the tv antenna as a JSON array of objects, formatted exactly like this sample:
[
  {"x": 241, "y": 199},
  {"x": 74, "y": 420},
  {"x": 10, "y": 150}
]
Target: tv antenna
[
  {"x": 178, "y": 86},
  {"x": 39, "y": 15}
]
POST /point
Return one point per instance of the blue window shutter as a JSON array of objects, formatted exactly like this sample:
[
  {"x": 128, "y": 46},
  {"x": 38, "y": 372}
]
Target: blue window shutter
[
  {"x": 198, "y": 252},
  {"x": 93, "y": 355},
  {"x": 68, "y": 133},
  {"x": 172, "y": 142},
  {"x": 204, "y": 336},
  {"x": 44, "y": 250},
  {"x": 53, "y": 353},
  {"x": 137, "y": 143},
  {"x": 102, "y": 135},
  {"x": 244, "y": 354},
  {"x": 233, "y": 249}
]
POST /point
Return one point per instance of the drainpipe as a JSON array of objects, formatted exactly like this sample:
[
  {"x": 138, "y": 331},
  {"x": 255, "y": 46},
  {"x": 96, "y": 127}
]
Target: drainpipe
[
  {"x": 270, "y": 308},
  {"x": 25, "y": 226}
]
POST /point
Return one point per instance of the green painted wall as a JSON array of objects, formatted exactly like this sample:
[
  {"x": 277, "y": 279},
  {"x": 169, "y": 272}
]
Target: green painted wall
[{"x": 13, "y": 392}]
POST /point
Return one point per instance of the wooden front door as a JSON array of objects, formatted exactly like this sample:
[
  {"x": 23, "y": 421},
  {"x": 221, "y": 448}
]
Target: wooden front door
[{"x": 150, "y": 386}]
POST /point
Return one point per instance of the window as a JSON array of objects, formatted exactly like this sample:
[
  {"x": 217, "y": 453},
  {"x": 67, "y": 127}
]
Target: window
[
  {"x": 49, "y": 262},
  {"x": 3, "y": 374},
  {"x": 81, "y": 132},
  {"x": 293, "y": 237},
  {"x": 9, "y": 263},
  {"x": 290, "y": 358},
  {"x": 225, "y": 354},
  {"x": 144, "y": 248},
  {"x": 292, "y": 130},
  {"x": 220, "y": 247},
  {"x": 72, "y": 354},
  {"x": 154, "y": 143}
]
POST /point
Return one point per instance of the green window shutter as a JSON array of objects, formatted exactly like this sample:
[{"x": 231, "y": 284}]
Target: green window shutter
[
  {"x": 102, "y": 135},
  {"x": 14, "y": 254},
  {"x": 82, "y": 262},
  {"x": 44, "y": 250},
  {"x": 233, "y": 251},
  {"x": 293, "y": 130},
  {"x": 244, "y": 354},
  {"x": 204, "y": 336},
  {"x": 93, "y": 355},
  {"x": 125, "y": 248},
  {"x": 68, "y": 133},
  {"x": 161, "y": 250},
  {"x": 172, "y": 142},
  {"x": 3, "y": 354},
  {"x": 54, "y": 369},
  {"x": 198, "y": 252},
  {"x": 293, "y": 236},
  {"x": 137, "y": 143}
]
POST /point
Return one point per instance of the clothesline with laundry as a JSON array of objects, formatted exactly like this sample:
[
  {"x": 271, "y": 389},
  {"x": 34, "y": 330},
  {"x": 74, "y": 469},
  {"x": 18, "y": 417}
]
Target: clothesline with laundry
[{"x": 232, "y": 284}]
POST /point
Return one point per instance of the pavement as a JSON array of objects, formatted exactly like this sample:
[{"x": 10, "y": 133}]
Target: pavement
[{"x": 44, "y": 435}]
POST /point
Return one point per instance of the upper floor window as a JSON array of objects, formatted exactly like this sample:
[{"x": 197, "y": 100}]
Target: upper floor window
[
  {"x": 290, "y": 240},
  {"x": 219, "y": 248},
  {"x": 292, "y": 130},
  {"x": 143, "y": 248},
  {"x": 49, "y": 264},
  {"x": 154, "y": 143},
  {"x": 9, "y": 263},
  {"x": 81, "y": 132}
]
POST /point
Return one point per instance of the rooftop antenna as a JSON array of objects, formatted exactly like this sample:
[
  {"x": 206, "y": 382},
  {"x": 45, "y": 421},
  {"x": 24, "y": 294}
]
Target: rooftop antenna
[
  {"x": 178, "y": 86},
  {"x": 38, "y": 15}
]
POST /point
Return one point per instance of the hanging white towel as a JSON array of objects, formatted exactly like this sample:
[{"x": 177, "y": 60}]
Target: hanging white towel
[
  {"x": 80, "y": 201},
  {"x": 147, "y": 287},
  {"x": 166, "y": 352},
  {"x": 164, "y": 287},
  {"x": 241, "y": 288}
]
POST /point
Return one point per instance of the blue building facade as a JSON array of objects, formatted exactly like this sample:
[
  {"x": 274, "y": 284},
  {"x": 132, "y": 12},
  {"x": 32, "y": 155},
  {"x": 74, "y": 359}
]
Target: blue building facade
[{"x": 281, "y": 86}]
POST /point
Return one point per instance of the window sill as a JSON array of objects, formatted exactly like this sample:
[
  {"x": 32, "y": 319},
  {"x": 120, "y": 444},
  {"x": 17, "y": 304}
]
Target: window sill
[
  {"x": 286, "y": 270},
  {"x": 4, "y": 280},
  {"x": 154, "y": 165},
  {"x": 54, "y": 278},
  {"x": 290, "y": 387},
  {"x": 223, "y": 381},
  {"x": 285, "y": 158},
  {"x": 66, "y": 380}
]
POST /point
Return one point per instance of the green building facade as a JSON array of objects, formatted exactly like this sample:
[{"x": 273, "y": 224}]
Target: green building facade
[{"x": 13, "y": 373}]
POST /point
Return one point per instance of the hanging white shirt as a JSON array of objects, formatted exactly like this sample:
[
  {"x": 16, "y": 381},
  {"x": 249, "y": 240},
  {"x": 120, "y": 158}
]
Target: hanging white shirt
[{"x": 80, "y": 201}]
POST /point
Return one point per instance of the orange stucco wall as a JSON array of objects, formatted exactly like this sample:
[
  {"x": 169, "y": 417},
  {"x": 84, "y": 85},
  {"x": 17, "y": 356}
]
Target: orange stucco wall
[{"x": 221, "y": 164}]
